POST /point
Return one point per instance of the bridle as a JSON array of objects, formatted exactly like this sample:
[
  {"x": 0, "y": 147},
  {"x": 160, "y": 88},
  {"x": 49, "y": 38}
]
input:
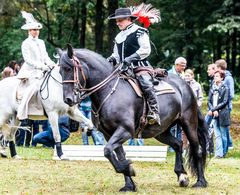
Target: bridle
[
  {"x": 77, "y": 84},
  {"x": 80, "y": 89}
]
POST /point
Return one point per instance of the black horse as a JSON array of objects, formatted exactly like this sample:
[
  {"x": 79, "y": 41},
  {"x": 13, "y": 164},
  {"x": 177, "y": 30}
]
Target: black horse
[{"x": 119, "y": 109}]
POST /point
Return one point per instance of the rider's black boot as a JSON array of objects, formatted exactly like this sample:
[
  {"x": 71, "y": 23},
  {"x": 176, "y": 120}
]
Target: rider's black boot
[
  {"x": 153, "y": 114},
  {"x": 145, "y": 81}
]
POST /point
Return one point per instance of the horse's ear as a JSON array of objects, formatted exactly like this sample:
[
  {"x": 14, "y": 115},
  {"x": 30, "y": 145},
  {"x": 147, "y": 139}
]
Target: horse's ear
[
  {"x": 59, "y": 51},
  {"x": 69, "y": 51}
]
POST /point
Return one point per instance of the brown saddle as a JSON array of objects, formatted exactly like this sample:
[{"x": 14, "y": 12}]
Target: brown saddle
[{"x": 161, "y": 88}]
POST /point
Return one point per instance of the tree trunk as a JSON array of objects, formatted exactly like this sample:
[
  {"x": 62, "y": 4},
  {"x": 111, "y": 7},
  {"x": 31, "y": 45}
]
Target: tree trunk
[
  {"x": 99, "y": 27},
  {"x": 82, "y": 35},
  {"x": 112, "y": 28},
  {"x": 219, "y": 45},
  {"x": 189, "y": 30},
  {"x": 234, "y": 51},
  {"x": 228, "y": 40},
  {"x": 74, "y": 36}
]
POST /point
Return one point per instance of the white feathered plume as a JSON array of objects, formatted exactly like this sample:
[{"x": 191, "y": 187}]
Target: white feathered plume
[
  {"x": 28, "y": 17},
  {"x": 146, "y": 14}
]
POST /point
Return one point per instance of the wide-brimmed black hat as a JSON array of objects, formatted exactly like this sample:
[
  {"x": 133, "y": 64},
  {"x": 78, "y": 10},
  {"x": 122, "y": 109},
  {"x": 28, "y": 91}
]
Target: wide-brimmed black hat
[{"x": 122, "y": 13}]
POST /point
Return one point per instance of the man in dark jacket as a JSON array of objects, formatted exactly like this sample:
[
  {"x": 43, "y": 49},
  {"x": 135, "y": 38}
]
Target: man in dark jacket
[{"x": 132, "y": 47}]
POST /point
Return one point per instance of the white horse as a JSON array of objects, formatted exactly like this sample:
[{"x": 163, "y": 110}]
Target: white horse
[{"x": 52, "y": 101}]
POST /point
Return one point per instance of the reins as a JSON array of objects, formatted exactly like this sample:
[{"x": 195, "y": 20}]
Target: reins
[
  {"x": 45, "y": 83},
  {"x": 88, "y": 91},
  {"x": 84, "y": 92}
]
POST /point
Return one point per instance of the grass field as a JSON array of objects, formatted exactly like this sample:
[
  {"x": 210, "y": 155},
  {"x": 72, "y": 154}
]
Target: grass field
[{"x": 37, "y": 173}]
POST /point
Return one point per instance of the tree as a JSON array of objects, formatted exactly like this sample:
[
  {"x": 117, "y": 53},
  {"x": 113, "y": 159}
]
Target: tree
[{"x": 226, "y": 26}]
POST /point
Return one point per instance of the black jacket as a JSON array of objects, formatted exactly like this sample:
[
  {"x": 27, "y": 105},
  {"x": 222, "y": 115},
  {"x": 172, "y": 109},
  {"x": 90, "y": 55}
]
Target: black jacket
[{"x": 222, "y": 105}]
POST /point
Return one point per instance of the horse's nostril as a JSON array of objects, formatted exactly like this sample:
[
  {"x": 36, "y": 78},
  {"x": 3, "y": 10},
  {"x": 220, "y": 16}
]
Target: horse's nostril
[{"x": 68, "y": 101}]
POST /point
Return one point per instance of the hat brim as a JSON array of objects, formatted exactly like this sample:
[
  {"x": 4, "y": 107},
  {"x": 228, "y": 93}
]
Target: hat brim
[
  {"x": 30, "y": 26},
  {"x": 113, "y": 16}
]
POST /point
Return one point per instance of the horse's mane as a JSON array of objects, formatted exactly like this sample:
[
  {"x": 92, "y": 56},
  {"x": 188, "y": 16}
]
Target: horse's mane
[{"x": 93, "y": 58}]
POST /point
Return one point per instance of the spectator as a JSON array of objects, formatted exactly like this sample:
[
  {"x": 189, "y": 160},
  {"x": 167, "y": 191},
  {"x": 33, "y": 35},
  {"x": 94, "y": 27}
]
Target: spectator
[
  {"x": 23, "y": 137},
  {"x": 97, "y": 136},
  {"x": 178, "y": 69},
  {"x": 197, "y": 90},
  {"x": 136, "y": 142},
  {"x": 11, "y": 69},
  {"x": 211, "y": 71},
  {"x": 7, "y": 72},
  {"x": 218, "y": 109},
  {"x": 46, "y": 137},
  {"x": 196, "y": 87},
  {"x": 221, "y": 65}
]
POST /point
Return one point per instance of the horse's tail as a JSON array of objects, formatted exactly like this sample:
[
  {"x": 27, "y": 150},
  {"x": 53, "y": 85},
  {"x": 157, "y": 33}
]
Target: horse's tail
[{"x": 193, "y": 155}]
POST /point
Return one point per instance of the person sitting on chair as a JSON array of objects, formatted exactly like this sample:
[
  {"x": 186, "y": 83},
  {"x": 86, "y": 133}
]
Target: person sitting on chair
[
  {"x": 132, "y": 47},
  {"x": 36, "y": 61}
]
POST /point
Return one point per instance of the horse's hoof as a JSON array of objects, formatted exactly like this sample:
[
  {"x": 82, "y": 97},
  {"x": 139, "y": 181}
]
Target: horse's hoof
[
  {"x": 17, "y": 157},
  {"x": 183, "y": 180},
  {"x": 63, "y": 157},
  {"x": 200, "y": 184},
  {"x": 128, "y": 189},
  {"x": 3, "y": 154}
]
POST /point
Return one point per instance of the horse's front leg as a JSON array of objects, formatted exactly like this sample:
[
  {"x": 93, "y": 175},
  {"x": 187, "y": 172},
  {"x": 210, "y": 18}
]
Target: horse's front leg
[
  {"x": 53, "y": 120},
  {"x": 120, "y": 164},
  {"x": 129, "y": 183},
  {"x": 75, "y": 114}
]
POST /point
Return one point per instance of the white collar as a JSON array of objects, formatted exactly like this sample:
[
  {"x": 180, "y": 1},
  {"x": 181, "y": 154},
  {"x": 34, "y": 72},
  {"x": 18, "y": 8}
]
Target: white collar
[
  {"x": 121, "y": 36},
  {"x": 32, "y": 38}
]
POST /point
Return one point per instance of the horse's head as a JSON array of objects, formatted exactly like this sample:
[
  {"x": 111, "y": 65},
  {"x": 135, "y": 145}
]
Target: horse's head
[{"x": 73, "y": 76}]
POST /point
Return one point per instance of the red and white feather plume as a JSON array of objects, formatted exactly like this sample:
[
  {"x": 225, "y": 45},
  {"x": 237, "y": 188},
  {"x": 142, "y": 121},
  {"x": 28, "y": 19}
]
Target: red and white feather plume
[{"x": 146, "y": 14}]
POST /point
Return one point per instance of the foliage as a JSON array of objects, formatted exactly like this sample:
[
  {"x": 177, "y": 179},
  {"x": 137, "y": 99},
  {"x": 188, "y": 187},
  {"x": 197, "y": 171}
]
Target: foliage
[
  {"x": 225, "y": 25},
  {"x": 201, "y": 31}
]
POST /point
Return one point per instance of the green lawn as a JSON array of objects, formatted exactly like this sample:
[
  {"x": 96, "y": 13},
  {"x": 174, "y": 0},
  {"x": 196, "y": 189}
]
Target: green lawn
[{"x": 37, "y": 173}]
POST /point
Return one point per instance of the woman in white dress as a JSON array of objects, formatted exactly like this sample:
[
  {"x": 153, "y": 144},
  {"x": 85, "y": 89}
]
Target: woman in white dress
[{"x": 36, "y": 62}]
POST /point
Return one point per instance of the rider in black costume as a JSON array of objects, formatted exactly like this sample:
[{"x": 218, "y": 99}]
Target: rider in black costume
[{"x": 132, "y": 47}]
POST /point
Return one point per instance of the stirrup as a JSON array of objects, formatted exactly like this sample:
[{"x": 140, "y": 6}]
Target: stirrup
[{"x": 153, "y": 118}]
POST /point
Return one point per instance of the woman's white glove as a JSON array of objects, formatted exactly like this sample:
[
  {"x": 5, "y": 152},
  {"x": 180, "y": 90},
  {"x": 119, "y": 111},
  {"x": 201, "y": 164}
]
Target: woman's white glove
[{"x": 43, "y": 67}]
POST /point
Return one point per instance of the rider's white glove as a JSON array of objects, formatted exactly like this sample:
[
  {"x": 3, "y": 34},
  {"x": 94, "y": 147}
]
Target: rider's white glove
[
  {"x": 42, "y": 67},
  {"x": 45, "y": 68}
]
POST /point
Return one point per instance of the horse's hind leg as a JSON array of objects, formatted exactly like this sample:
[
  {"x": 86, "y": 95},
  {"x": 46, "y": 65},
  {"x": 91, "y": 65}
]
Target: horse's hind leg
[
  {"x": 129, "y": 183},
  {"x": 167, "y": 138},
  {"x": 7, "y": 133},
  {"x": 196, "y": 132}
]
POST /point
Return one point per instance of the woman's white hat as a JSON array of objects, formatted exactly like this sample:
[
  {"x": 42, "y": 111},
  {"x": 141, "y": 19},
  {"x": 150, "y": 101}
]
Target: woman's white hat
[{"x": 31, "y": 22}]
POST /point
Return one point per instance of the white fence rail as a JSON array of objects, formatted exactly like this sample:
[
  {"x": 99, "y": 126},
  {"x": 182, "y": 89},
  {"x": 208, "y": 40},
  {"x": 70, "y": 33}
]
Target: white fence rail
[{"x": 136, "y": 153}]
